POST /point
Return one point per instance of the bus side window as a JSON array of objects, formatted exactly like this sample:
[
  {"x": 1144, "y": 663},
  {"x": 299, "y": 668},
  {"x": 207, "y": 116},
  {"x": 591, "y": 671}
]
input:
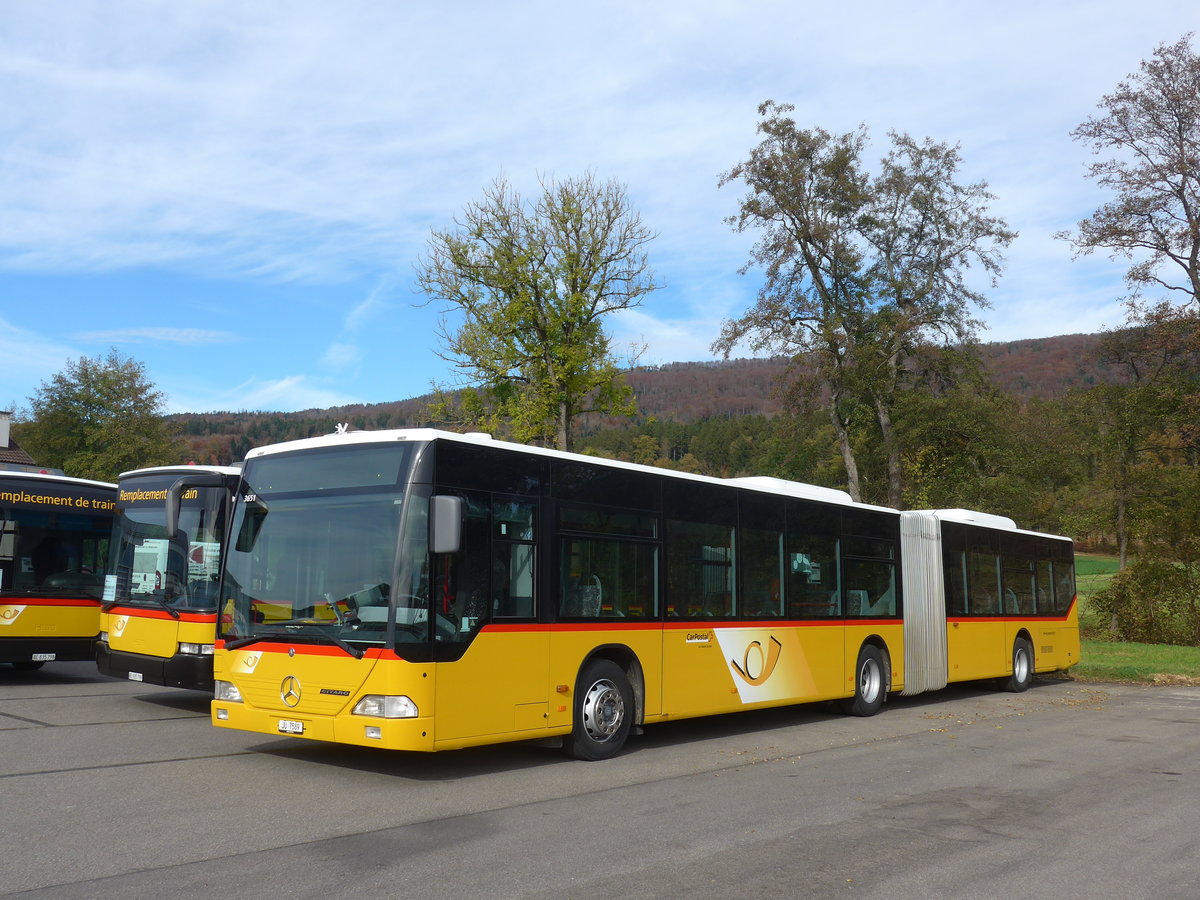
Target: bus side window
[
  {"x": 869, "y": 569},
  {"x": 514, "y": 533},
  {"x": 983, "y": 581},
  {"x": 461, "y": 580},
  {"x": 608, "y": 578},
  {"x": 1064, "y": 581}
]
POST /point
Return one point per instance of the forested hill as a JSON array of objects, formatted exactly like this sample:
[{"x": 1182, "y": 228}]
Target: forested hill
[
  {"x": 679, "y": 392},
  {"x": 690, "y": 392}
]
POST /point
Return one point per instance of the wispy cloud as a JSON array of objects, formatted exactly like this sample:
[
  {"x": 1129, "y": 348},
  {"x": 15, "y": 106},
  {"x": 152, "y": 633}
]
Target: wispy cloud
[
  {"x": 191, "y": 336},
  {"x": 309, "y": 147},
  {"x": 290, "y": 393},
  {"x": 347, "y": 350}
]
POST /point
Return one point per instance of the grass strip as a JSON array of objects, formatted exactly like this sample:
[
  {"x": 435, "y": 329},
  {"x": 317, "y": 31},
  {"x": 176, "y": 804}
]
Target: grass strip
[{"x": 1138, "y": 663}]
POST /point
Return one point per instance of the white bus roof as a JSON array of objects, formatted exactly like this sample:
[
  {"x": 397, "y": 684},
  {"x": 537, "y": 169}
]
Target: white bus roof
[
  {"x": 984, "y": 520},
  {"x": 59, "y": 479},
  {"x": 972, "y": 517},
  {"x": 182, "y": 470}
]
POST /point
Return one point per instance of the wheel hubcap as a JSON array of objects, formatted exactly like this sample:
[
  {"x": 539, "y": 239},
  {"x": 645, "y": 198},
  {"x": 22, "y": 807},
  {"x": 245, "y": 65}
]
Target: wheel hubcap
[
  {"x": 603, "y": 710},
  {"x": 1021, "y": 665},
  {"x": 870, "y": 681}
]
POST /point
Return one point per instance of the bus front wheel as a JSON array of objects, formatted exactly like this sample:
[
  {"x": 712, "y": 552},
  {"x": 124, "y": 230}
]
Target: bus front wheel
[
  {"x": 1022, "y": 667},
  {"x": 603, "y": 712},
  {"x": 870, "y": 683}
]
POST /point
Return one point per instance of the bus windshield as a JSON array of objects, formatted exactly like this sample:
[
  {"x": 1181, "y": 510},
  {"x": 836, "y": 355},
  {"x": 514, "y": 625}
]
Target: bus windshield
[
  {"x": 48, "y": 553},
  {"x": 313, "y": 553},
  {"x": 152, "y": 570}
]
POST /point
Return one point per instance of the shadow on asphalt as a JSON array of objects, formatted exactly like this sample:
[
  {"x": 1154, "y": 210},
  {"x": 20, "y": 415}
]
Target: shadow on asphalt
[
  {"x": 186, "y": 701},
  {"x": 451, "y": 765},
  {"x": 54, "y": 674}
]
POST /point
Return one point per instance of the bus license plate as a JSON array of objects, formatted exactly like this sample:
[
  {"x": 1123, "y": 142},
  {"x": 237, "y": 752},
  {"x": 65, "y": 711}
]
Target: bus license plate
[
  {"x": 42, "y": 657},
  {"x": 135, "y": 676},
  {"x": 291, "y": 726}
]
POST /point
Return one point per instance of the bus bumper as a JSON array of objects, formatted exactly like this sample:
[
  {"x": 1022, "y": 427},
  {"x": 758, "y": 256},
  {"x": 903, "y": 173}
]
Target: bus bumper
[
  {"x": 48, "y": 649},
  {"x": 183, "y": 670},
  {"x": 365, "y": 731}
]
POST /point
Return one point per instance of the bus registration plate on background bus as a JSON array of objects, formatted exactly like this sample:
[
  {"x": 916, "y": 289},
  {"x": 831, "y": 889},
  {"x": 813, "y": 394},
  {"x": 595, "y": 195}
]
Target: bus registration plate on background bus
[{"x": 291, "y": 726}]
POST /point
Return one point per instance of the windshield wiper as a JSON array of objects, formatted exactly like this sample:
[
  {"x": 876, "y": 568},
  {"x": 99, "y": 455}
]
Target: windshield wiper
[
  {"x": 310, "y": 631},
  {"x": 247, "y": 641},
  {"x": 105, "y": 607},
  {"x": 164, "y": 603}
]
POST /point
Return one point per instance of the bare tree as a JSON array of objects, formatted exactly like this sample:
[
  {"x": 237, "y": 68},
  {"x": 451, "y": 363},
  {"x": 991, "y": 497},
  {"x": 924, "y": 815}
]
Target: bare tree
[
  {"x": 863, "y": 272},
  {"x": 1147, "y": 141}
]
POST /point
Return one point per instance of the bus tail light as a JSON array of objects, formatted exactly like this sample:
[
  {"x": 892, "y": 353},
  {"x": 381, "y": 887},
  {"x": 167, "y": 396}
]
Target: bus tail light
[{"x": 386, "y": 707}]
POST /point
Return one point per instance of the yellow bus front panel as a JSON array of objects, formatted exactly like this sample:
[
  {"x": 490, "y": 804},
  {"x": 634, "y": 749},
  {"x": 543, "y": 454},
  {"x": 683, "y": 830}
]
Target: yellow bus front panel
[
  {"x": 157, "y": 634},
  {"x": 153, "y": 646},
  {"x": 47, "y": 629},
  {"x": 310, "y": 691},
  {"x": 50, "y": 618}
]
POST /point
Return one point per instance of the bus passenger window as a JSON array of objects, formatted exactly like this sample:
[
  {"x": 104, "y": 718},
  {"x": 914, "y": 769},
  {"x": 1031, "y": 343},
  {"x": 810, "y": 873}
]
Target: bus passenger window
[
  {"x": 955, "y": 573},
  {"x": 870, "y": 588},
  {"x": 1064, "y": 582},
  {"x": 512, "y": 580},
  {"x": 513, "y": 570},
  {"x": 762, "y": 567},
  {"x": 812, "y": 577},
  {"x": 603, "y": 578},
  {"x": 983, "y": 581},
  {"x": 700, "y": 569},
  {"x": 462, "y": 582}
]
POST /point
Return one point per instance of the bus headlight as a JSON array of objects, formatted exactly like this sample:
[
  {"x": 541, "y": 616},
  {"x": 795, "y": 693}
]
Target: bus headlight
[
  {"x": 196, "y": 649},
  {"x": 103, "y": 637},
  {"x": 227, "y": 691},
  {"x": 386, "y": 707}
]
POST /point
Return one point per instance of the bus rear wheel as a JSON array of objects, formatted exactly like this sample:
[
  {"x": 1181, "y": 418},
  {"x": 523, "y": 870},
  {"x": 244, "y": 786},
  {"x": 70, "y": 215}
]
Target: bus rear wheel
[
  {"x": 870, "y": 683},
  {"x": 1022, "y": 667},
  {"x": 603, "y": 712}
]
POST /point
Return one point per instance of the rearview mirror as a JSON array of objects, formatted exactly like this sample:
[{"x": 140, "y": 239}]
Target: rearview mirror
[{"x": 445, "y": 523}]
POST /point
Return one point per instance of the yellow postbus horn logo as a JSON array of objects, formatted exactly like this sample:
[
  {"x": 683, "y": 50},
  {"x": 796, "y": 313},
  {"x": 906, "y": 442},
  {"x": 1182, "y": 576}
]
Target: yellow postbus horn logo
[{"x": 757, "y": 665}]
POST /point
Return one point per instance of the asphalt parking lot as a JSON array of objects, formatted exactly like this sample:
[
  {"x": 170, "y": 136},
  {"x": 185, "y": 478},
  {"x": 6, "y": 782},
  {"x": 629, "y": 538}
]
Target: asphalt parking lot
[{"x": 116, "y": 789}]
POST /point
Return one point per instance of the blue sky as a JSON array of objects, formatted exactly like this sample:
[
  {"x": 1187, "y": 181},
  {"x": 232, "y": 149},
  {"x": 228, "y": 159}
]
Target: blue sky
[{"x": 235, "y": 193}]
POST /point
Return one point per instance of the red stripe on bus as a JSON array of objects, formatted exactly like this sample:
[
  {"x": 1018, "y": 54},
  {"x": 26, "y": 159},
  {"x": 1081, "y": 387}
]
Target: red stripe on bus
[
  {"x": 679, "y": 625},
  {"x": 672, "y": 625},
  {"x": 302, "y": 649},
  {"x": 1027, "y": 617},
  {"x": 137, "y": 612},
  {"x": 695, "y": 624},
  {"x": 46, "y": 601}
]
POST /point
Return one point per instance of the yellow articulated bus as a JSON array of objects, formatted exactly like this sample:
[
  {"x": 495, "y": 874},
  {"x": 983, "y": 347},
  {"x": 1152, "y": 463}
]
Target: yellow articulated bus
[
  {"x": 54, "y": 534},
  {"x": 159, "y": 619},
  {"x": 452, "y": 590}
]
